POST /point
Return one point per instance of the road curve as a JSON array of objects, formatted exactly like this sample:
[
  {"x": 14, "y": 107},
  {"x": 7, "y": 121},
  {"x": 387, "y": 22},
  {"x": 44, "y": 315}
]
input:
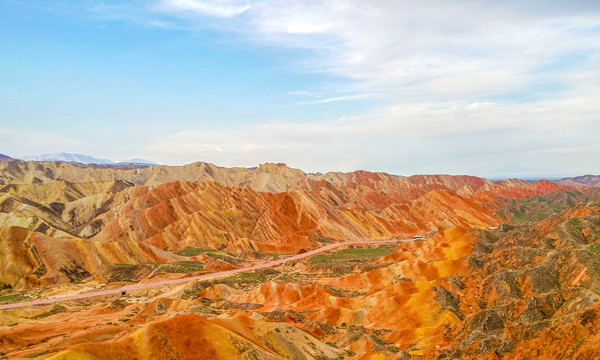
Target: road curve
[{"x": 194, "y": 278}]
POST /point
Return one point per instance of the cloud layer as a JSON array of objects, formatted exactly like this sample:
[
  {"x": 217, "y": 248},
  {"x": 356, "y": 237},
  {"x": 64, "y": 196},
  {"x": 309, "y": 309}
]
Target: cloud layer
[
  {"x": 489, "y": 88},
  {"x": 482, "y": 87},
  {"x": 483, "y": 139},
  {"x": 425, "y": 51}
]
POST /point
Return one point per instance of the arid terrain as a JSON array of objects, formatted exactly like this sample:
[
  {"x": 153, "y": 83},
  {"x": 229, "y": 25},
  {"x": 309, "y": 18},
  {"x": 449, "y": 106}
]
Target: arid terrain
[{"x": 507, "y": 269}]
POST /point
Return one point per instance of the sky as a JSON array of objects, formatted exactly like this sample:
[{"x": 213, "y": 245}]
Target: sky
[{"x": 487, "y": 88}]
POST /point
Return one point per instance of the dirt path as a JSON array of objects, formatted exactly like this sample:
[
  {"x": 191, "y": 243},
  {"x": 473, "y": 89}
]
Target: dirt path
[{"x": 194, "y": 278}]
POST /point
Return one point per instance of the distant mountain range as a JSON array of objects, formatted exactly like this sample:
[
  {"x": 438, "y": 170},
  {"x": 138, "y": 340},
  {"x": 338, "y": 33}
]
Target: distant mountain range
[
  {"x": 84, "y": 159},
  {"x": 585, "y": 180},
  {"x": 80, "y": 158}
]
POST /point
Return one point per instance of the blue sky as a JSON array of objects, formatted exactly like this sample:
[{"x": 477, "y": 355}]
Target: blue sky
[{"x": 463, "y": 87}]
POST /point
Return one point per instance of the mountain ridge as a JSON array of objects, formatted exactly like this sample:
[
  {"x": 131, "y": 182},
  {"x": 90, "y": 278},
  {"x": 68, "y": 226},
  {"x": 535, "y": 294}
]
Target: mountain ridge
[
  {"x": 584, "y": 180},
  {"x": 5, "y": 158}
]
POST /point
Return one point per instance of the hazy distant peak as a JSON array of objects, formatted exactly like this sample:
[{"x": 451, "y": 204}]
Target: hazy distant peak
[
  {"x": 85, "y": 159},
  {"x": 80, "y": 158},
  {"x": 584, "y": 180},
  {"x": 4, "y": 158},
  {"x": 137, "y": 161}
]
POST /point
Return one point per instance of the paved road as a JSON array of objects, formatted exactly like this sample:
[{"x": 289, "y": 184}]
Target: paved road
[{"x": 193, "y": 278}]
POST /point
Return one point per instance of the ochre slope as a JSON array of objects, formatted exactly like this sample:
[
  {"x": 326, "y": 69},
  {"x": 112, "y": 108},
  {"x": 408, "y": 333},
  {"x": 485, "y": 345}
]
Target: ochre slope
[
  {"x": 194, "y": 337},
  {"x": 517, "y": 292},
  {"x": 33, "y": 259},
  {"x": 60, "y": 209},
  {"x": 465, "y": 292},
  {"x": 399, "y": 297},
  {"x": 532, "y": 291},
  {"x": 266, "y": 177},
  {"x": 180, "y": 214}
]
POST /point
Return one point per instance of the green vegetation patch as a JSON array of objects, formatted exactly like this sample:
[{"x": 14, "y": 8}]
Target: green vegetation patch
[
  {"x": 338, "y": 292},
  {"x": 540, "y": 207},
  {"x": 275, "y": 255},
  {"x": 9, "y": 296},
  {"x": 532, "y": 209},
  {"x": 262, "y": 255},
  {"x": 245, "y": 280},
  {"x": 13, "y": 298},
  {"x": 56, "y": 309},
  {"x": 297, "y": 277},
  {"x": 575, "y": 229},
  {"x": 128, "y": 272},
  {"x": 520, "y": 217},
  {"x": 215, "y": 254},
  {"x": 379, "y": 341},
  {"x": 595, "y": 248},
  {"x": 323, "y": 240},
  {"x": 194, "y": 251},
  {"x": 203, "y": 310},
  {"x": 351, "y": 254},
  {"x": 182, "y": 267}
]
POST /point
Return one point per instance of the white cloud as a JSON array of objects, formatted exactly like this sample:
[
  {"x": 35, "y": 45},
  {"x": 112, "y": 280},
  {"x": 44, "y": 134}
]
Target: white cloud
[
  {"x": 412, "y": 51},
  {"x": 471, "y": 87},
  {"x": 325, "y": 100},
  {"x": 217, "y": 8},
  {"x": 483, "y": 139}
]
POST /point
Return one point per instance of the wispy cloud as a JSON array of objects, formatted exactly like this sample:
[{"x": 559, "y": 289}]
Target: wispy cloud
[
  {"x": 463, "y": 86},
  {"x": 329, "y": 99},
  {"x": 473, "y": 87},
  {"x": 217, "y": 8},
  {"x": 410, "y": 51},
  {"x": 132, "y": 13},
  {"x": 484, "y": 139}
]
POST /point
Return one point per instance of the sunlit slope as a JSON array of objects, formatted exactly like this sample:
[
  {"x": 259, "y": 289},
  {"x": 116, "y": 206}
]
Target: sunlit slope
[
  {"x": 267, "y": 177},
  {"x": 59, "y": 208},
  {"x": 194, "y": 337},
  {"x": 181, "y": 214},
  {"x": 466, "y": 293},
  {"x": 231, "y": 212},
  {"x": 32, "y": 259}
]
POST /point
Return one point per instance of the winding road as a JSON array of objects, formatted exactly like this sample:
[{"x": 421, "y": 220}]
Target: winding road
[{"x": 195, "y": 278}]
